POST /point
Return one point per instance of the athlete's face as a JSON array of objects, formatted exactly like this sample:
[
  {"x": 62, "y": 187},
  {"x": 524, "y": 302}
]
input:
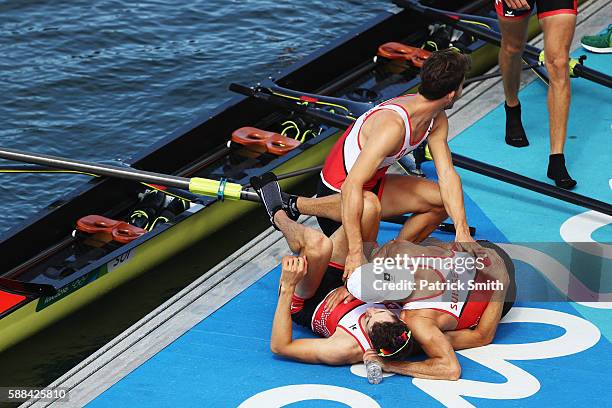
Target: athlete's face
[{"x": 375, "y": 315}]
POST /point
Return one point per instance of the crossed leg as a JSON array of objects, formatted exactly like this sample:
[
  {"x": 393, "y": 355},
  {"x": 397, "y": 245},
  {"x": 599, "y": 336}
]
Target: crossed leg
[{"x": 318, "y": 249}]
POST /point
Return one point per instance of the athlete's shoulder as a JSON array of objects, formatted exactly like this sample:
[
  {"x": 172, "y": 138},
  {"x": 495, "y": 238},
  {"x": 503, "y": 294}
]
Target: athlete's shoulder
[
  {"x": 440, "y": 125},
  {"x": 441, "y": 117},
  {"x": 385, "y": 121},
  {"x": 345, "y": 346}
]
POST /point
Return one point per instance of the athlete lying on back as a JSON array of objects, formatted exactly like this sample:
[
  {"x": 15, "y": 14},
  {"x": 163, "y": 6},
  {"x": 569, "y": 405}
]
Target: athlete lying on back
[{"x": 311, "y": 294}]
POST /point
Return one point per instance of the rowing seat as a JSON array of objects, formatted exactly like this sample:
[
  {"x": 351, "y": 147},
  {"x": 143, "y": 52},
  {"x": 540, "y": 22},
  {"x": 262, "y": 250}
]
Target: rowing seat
[
  {"x": 120, "y": 231},
  {"x": 264, "y": 141},
  {"x": 401, "y": 52}
]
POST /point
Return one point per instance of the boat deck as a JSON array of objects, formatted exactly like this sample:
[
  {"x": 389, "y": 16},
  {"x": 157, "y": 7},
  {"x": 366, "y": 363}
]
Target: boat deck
[{"x": 209, "y": 345}]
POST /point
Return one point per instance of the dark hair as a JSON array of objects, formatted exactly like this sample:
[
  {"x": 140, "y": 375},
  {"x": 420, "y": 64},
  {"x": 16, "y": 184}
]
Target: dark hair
[
  {"x": 442, "y": 73},
  {"x": 387, "y": 335},
  {"x": 511, "y": 292}
]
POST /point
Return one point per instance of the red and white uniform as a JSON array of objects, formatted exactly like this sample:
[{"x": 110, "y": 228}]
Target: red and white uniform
[
  {"x": 347, "y": 317},
  {"x": 346, "y": 150},
  {"x": 466, "y": 306}
]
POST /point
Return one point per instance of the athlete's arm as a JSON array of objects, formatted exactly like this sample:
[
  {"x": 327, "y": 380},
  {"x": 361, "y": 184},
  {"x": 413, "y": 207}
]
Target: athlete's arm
[
  {"x": 484, "y": 332},
  {"x": 324, "y": 351},
  {"x": 448, "y": 179},
  {"x": 441, "y": 363},
  {"x": 381, "y": 136}
]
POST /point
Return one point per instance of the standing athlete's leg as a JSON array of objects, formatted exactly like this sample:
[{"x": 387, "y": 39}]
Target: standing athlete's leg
[
  {"x": 558, "y": 34},
  {"x": 419, "y": 196},
  {"x": 514, "y": 36}
]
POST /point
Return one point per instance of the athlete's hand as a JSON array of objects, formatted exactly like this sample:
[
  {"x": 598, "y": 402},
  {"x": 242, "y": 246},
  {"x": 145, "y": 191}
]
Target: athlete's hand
[
  {"x": 370, "y": 355},
  {"x": 465, "y": 243},
  {"x": 293, "y": 270},
  {"x": 493, "y": 264},
  {"x": 353, "y": 261},
  {"x": 518, "y": 5},
  {"x": 339, "y": 295}
]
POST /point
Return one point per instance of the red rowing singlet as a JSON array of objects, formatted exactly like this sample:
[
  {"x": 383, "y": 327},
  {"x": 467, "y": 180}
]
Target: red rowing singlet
[
  {"x": 347, "y": 316},
  {"x": 466, "y": 306},
  {"x": 343, "y": 155}
]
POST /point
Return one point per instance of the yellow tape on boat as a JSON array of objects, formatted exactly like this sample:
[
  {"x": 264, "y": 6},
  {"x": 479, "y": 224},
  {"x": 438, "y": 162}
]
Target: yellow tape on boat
[{"x": 208, "y": 187}]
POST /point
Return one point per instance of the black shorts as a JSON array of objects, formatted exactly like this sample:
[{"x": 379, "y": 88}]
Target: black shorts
[
  {"x": 545, "y": 8},
  {"x": 330, "y": 226},
  {"x": 511, "y": 293},
  {"x": 331, "y": 280}
]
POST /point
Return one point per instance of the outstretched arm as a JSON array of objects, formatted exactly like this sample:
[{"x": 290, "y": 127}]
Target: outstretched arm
[
  {"x": 441, "y": 362},
  {"x": 322, "y": 351},
  {"x": 381, "y": 135},
  {"x": 448, "y": 179}
]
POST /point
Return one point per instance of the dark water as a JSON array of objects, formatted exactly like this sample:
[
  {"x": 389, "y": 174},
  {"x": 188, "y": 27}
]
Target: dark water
[{"x": 101, "y": 80}]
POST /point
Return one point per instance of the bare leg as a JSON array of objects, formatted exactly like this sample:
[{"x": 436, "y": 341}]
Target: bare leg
[
  {"x": 558, "y": 35},
  {"x": 310, "y": 243},
  {"x": 514, "y": 36},
  {"x": 421, "y": 197},
  {"x": 318, "y": 248},
  {"x": 326, "y": 207}
]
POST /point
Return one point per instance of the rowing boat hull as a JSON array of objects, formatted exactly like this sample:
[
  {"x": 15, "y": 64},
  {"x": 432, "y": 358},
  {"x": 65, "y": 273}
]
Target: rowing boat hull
[{"x": 138, "y": 257}]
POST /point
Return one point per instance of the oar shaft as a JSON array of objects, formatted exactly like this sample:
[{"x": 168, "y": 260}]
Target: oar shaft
[
  {"x": 195, "y": 185},
  {"x": 95, "y": 168},
  {"x": 530, "y": 184}
]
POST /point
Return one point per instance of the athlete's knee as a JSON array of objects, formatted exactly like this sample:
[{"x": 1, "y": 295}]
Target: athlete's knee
[
  {"x": 439, "y": 210},
  {"x": 317, "y": 244},
  {"x": 557, "y": 64},
  {"x": 371, "y": 206},
  {"x": 512, "y": 47},
  {"x": 453, "y": 372}
]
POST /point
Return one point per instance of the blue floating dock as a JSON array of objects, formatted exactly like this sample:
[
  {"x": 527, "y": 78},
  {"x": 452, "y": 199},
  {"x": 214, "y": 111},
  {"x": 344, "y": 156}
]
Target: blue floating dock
[{"x": 544, "y": 354}]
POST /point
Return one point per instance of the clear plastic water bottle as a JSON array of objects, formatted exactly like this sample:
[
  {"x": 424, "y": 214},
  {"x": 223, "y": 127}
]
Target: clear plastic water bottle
[{"x": 374, "y": 372}]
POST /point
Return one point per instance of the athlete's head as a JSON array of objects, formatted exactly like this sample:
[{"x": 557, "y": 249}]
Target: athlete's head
[
  {"x": 390, "y": 336},
  {"x": 442, "y": 76}
]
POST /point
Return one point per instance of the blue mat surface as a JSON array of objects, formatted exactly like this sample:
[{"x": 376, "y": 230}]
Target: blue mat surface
[{"x": 545, "y": 354}]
